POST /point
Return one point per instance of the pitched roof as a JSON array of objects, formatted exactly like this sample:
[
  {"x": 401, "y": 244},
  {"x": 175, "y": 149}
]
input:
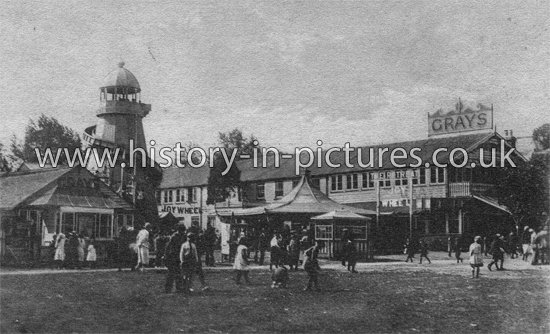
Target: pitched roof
[
  {"x": 17, "y": 187},
  {"x": 190, "y": 177},
  {"x": 40, "y": 187},
  {"x": 427, "y": 148},
  {"x": 174, "y": 177},
  {"x": 286, "y": 169}
]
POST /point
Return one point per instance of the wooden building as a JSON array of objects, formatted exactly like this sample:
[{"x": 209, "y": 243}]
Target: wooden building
[
  {"x": 38, "y": 203},
  {"x": 413, "y": 197}
]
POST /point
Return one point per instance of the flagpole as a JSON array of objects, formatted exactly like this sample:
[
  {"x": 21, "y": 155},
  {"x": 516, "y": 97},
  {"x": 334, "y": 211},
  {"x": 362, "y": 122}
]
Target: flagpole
[
  {"x": 409, "y": 175},
  {"x": 377, "y": 183}
]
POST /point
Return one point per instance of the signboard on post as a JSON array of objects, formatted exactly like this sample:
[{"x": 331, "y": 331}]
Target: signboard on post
[{"x": 460, "y": 120}]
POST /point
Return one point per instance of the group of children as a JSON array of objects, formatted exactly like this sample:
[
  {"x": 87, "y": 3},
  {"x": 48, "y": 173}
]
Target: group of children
[
  {"x": 280, "y": 275},
  {"x": 72, "y": 251}
]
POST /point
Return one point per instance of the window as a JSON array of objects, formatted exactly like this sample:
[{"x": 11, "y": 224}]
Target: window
[
  {"x": 437, "y": 175},
  {"x": 384, "y": 179},
  {"x": 279, "y": 189},
  {"x": 401, "y": 178},
  {"x": 158, "y": 196},
  {"x": 316, "y": 183},
  {"x": 323, "y": 232},
  {"x": 352, "y": 181},
  {"x": 67, "y": 222},
  {"x": 419, "y": 176},
  {"x": 178, "y": 195},
  {"x": 368, "y": 180},
  {"x": 336, "y": 182},
  {"x": 191, "y": 195},
  {"x": 195, "y": 220},
  {"x": 123, "y": 220},
  {"x": 104, "y": 229},
  {"x": 168, "y": 196},
  {"x": 212, "y": 221},
  {"x": 260, "y": 191}
]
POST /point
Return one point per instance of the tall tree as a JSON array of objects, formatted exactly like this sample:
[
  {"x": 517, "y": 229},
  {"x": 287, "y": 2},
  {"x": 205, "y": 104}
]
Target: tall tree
[
  {"x": 46, "y": 133},
  {"x": 541, "y": 137},
  {"x": 524, "y": 189},
  {"x": 4, "y": 164},
  {"x": 235, "y": 139},
  {"x": 220, "y": 186}
]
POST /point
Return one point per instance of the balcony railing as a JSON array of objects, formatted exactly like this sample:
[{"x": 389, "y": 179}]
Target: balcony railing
[{"x": 459, "y": 189}]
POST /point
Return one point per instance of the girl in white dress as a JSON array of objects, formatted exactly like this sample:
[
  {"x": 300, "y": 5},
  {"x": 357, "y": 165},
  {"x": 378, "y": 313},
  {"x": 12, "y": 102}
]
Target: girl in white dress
[
  {"x": 476, "y": 257},
  {"x": 59, "y": 256},
  {"x": 91, "y": 257},
  {"x": 241, "y": 262}
]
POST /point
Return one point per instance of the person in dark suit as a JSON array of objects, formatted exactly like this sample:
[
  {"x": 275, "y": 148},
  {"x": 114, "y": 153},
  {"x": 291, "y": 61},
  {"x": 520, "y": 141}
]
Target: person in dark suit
[
  {"x": 497, "y": 250},
  {"x": 172, "y": 260}
]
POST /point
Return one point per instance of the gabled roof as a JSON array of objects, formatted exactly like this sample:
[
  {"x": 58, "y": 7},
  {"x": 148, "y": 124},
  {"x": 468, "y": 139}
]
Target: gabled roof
[
  {"x": 41, "y": 187},
  {"x": 249, "y": 173},
  {"x": 17, "y": 187},
  {"x": 175, "y": 177}
]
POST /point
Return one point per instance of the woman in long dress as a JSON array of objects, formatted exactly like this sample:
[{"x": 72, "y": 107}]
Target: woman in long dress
[
  {"x": 241, "y": 262},
  {"x": 59, "y": 256},
  {"x": 476, "y": 257}
]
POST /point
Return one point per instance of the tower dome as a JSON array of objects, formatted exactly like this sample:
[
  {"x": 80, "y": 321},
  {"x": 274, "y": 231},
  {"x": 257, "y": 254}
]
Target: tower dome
[{"x": 122, "y": 78}]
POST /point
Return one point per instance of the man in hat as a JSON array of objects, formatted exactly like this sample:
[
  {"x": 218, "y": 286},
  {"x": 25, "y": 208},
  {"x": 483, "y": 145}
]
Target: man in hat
[
  {"x": 172, "y": 260},
  {"x": 142, "y": 247}
]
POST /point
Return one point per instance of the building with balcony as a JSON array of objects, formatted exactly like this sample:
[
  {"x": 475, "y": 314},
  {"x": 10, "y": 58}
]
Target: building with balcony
[{"x": 411, "y": 195}]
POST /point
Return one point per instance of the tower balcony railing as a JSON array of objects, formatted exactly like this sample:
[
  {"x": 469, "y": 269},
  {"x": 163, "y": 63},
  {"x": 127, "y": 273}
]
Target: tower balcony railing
[
  {"x": 124, "y": 107},
  {"x": 461, "y": 189}
]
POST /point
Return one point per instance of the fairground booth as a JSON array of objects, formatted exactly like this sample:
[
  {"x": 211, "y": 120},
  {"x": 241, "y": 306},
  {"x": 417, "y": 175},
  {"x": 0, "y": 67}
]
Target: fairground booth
[
  {"x": 294, "y": 212},
  {"x": 35, "y": 205}
]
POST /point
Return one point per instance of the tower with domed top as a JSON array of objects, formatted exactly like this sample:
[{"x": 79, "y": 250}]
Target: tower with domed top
[{"x": 120, "y": 127}]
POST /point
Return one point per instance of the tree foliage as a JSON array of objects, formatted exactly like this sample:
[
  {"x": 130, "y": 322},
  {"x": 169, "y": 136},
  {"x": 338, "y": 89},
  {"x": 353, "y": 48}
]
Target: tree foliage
[
  {"x": 235, "y": 139},
  {"x": 524, "y": 189},
  {"x": 541, "y": 137},
  {"x": 221, "y": 187},
  {"x": 4, "y": 164},
  {"x": 47, "y": 132}
]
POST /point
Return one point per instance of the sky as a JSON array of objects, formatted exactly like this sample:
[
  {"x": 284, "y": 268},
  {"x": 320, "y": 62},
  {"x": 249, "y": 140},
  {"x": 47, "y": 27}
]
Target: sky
[{"x": 291, "y": 73}]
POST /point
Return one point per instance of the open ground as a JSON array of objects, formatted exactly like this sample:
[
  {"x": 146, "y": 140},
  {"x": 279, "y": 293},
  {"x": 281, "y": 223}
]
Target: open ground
[{"x": 385, "y": 297}]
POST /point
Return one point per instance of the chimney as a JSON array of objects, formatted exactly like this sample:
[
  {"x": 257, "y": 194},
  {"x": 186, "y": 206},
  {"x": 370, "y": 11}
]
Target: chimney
[{"x": 509, "y": 137}]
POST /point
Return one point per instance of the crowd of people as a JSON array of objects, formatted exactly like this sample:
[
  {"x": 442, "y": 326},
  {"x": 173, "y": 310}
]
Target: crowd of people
[
  {"x": 528, "y": 244},
  {"x": 181, "y": 251},
  {"x": 72, "y": 251}
]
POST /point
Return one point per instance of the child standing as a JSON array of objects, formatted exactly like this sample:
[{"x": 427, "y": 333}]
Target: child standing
[
  {"x": 91, "y": 257},
  {"x": 311, "y": 265},
  {"x": 476, "y": 257},
  {"x": 457, "y": 250},
  {"x": 241, "y": 262}
]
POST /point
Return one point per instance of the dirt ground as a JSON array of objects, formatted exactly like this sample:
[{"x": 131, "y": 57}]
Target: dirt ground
[{"x": 385, "y": 297}]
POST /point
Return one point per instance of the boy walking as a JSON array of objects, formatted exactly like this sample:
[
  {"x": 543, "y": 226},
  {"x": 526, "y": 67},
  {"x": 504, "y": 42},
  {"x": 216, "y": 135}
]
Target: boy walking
[{"x": 424, "y": 251}]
